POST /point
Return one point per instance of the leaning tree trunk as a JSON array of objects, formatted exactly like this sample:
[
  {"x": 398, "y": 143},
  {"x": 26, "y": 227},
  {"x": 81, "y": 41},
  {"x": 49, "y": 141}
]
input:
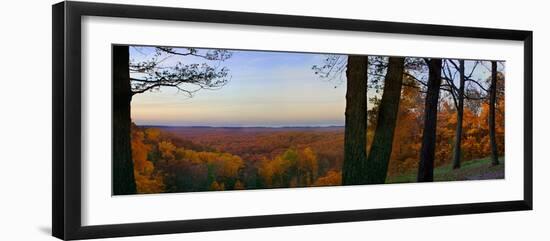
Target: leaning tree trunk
[
  {"x": 380, "y": 151},
  {"x": 492, "y": 107},
  {"x": 459, "y": 116},
  {"x": 123, "y": 168},
  {"x": 427, "y": 150},
  {"x": 355, "y": 137}
]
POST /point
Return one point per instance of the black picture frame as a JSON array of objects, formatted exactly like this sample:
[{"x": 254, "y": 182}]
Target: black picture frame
[{"x": 66, "y": 47}]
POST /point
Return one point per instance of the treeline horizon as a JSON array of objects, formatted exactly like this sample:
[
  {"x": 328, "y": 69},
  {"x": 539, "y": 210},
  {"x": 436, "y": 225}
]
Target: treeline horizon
[{"x": 427, "y": 112}]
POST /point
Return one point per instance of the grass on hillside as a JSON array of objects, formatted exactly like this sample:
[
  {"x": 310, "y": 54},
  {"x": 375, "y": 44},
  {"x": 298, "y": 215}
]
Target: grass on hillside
[{"x": 478, "y": 169}]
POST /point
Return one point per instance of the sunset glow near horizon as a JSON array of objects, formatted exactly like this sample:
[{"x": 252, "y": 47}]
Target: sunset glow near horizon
[{"x": 270, "y": 89}]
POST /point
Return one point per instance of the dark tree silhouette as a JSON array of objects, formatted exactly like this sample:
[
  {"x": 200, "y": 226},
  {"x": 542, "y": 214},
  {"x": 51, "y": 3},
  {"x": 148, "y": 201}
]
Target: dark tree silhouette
[
  {"x": 458, "y": 95},
  {"x": 356, "y": 169},
  {"x": 427, "y": 149},
  {"x": 492, "y": 105},
  {"x": 152, "y": 75},
  {"x": 459, "y": 116},
  {"x": 355, "y": 136},
  {"x": 380, "y": 151},
  {"x": 123, "y": 168}
]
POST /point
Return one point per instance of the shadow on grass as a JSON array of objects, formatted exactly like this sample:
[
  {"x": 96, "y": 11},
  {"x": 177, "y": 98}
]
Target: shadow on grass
[{"x": 478, "y": 169}]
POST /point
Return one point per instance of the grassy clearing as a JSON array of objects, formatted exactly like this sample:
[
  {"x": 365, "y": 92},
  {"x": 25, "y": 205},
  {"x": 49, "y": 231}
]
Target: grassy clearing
[{"x": 478, "y": 169}]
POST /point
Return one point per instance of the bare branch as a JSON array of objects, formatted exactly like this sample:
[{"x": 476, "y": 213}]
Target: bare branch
[
  {"x": 477, "y": 83},
  {"x": 150, "y": 75}
]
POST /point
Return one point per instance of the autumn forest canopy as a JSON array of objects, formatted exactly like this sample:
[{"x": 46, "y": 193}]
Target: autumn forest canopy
[{"x": 190, "y": 119}]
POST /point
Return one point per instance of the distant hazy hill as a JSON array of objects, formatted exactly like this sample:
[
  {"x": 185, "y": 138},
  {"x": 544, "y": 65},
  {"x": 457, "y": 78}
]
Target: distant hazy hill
[{"x": 192, "y": 130}]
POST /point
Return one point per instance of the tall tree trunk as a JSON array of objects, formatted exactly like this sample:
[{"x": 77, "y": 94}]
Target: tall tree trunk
[
  {"x": 123, "y": 168},
  {"x": 355, "y": 137},
  {"x": 427, "y": 151},
  {"x": 459, "y": 116},
  {"x": 380, "y": 151},
  {"x": 492, "y": 107}
]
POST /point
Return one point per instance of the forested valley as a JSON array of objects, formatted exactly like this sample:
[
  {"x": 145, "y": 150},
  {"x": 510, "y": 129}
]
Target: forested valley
[
  {"x": 184, "y": 159},
  {"x": 405, "y": 119}
]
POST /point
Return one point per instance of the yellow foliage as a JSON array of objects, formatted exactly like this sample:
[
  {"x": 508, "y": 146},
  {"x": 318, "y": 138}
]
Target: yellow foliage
[
  {"x": 147, "y": 180},
  {"x": 167, "y": 150},
  {"x": 139, "y": 153},
  {"x": 148, "y": 183}
]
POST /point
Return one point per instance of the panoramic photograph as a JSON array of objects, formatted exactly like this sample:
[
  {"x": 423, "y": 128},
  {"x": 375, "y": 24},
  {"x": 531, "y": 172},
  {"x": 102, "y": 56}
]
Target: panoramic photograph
[{"x": 189, "y": 119}]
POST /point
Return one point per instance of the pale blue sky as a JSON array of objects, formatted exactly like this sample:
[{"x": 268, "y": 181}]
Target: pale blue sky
[{"x": 265, "y": 89}]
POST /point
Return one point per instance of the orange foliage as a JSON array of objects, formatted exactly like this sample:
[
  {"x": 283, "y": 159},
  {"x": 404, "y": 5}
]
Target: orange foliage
[
  {"x": 408, "y": 132},
  {"x": 147, "y": 179},
  {"x": 202, "y": 159},
  {"x": 332, "y": 178}
]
